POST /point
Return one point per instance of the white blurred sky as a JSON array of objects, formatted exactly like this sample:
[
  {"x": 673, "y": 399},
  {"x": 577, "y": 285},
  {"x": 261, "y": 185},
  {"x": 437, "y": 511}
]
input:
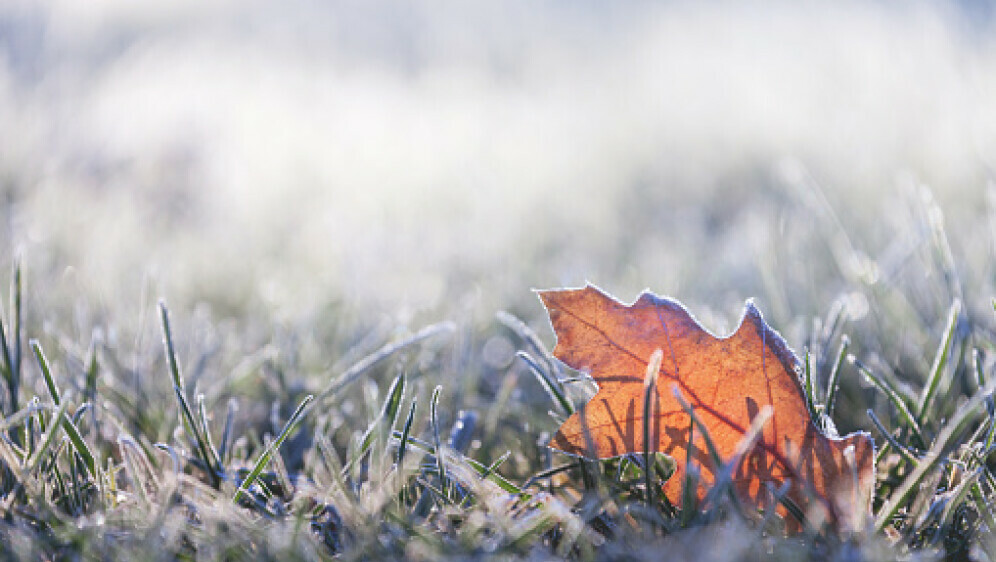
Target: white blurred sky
[{"x": 374, "y": 146}]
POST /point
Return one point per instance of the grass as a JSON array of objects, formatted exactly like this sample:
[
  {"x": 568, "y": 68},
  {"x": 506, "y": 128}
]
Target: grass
[{"x": 410, "y": 445}]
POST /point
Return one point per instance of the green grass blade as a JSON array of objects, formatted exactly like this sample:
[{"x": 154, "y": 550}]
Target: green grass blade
[
  {"x": 206, "y": 431},
  {"x": 957, "y": 499},
  {"x": 723, "y": 482},
  {"x": 437, "y": 442},
  {"x": 403, "y": 444},
  {"x": 710, "y": 445},
  {"x": 776, "y": 494},
  {"x": 552, "y": 387},
  {"x": 174, "y": 367},
  {"x": 333, "y": 468},
  {"x": 80, "y": 412},
  {"x": 392, "y": 404},
  {"x": 382, "y": 425},
  {"x": 6, "y": 368},
  {"x": 498, "y": 462},
  {"x": 980, "y": 379},
  {"x": 264, "y": 458},
  {"x": 187, "y": 415},
  {"x": 890, "y": 439},
  {"x": 226, "y": 432},
  {"x": 832, "y": 381},
  {"x": 403, "y": 450},
  {"x": 983, "y": 507},
  {"x": 940, "y": 361},
  {"x": 487, "y": 472},
  {"x": 24, "y": 413},
  {"x": 71, "y": 430},
  {"x": 53, "y": 390},
  {"x": 92, "y": 369},
  {"x": 689, "y": 495},
  {"x": 191, "y": 426},
  {"x": 904, "y": 412},
  {"x": 46, "y": 442},
  {"x": 17, "y": 317},
  {"x": 808, "y": 387},
  {"x": 29, "y": 429},
  {"x": 82, "y": 449},
  {"x": 135, "y": 466},
  {"x": 649, "y": 403},
  {"x": 793, "y": 508},
  {"x": 946, "y": 440},
  {"x": 717, "y": 459},
  {"x": 10, "y": 344},
  {"x": 544, "y": 474},
  {"x": 690, "y": 484},
  {"x": 530, "y": 337}
]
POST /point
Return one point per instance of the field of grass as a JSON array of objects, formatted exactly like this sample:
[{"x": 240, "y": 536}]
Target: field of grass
[
  {"x": 422, "y": 436},
  {"x": 267, "y": 273}
]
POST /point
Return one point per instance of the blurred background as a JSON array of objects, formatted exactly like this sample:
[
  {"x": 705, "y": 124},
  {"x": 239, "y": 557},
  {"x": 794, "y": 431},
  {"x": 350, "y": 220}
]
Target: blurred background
[{"x": 420, "y": 161}]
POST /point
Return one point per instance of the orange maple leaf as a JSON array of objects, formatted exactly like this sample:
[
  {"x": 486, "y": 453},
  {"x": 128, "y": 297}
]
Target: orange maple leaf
[{"x": 728, "y": 382}]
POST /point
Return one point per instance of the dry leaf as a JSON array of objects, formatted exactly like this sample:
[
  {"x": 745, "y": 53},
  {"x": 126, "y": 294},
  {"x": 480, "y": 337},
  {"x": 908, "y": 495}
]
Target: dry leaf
[{"x": 727, "y": 381}]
